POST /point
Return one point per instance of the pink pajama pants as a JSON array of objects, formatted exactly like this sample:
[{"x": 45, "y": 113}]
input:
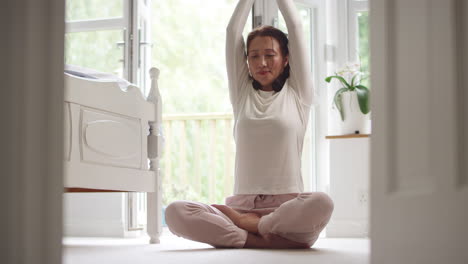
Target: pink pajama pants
[{"x": 296, "y": 217}]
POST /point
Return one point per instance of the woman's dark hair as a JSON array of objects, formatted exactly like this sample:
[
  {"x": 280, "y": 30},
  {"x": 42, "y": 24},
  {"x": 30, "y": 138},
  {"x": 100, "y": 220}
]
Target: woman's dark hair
[{"x": 269, "y": 31}]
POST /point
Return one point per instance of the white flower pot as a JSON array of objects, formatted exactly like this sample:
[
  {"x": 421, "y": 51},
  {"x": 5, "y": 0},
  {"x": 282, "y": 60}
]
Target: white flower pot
[{"x": 355, "y": 120}]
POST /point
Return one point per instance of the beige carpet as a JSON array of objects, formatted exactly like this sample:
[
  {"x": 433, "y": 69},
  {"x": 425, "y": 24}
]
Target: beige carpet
[{"x": 177, "y": 250}]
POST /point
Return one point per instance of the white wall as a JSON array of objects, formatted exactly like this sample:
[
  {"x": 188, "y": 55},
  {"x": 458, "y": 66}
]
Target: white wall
[
  {"x": 95, "y": 214},
  {"x": 349, "y": 187}
]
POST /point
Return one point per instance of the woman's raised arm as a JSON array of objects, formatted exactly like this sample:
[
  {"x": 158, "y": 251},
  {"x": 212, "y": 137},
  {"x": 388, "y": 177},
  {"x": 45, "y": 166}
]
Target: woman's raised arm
[
  {"x": 299, "y": 59},
  {"x": 236, "y": 64}
]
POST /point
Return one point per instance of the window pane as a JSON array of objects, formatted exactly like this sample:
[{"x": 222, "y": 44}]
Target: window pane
[
  {"x": 306, "y": 18},
  {"x": 363, "y": 24},
  {"x": 96, "y": 50},
  {"x": 189, "y": 49},
  {"x": 144, "y": 63},
  {"x": 93, "y": 9}
]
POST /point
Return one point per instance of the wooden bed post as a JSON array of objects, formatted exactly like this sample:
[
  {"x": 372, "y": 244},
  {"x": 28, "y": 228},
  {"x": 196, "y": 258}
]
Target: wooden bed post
[{"x": 155, "y": 140}]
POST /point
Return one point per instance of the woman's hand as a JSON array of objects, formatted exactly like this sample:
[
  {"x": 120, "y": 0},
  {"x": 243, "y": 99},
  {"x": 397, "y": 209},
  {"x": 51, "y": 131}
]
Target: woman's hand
[{"x": 247, "y": 221}]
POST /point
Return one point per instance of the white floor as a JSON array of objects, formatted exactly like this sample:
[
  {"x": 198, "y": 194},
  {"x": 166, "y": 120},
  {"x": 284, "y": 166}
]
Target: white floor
[{"x": 173, "y": 249}]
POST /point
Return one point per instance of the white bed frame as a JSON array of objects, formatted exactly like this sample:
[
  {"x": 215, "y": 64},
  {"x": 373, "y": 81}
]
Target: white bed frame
[{"x": 110, "y": 135}]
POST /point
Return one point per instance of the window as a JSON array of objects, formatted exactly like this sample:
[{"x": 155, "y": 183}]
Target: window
[
  {"x": 110, "y": 36},
  {"x": 189, "y": 49},
  {"x": 307, "y": 18},
  {"x": 80, "y": 10},
  {"x": 98, "y": 50},
  {"x": 96, "y": 35},
  {"x": 363, "y": 42},
  {"x": 358, "y": 34}
]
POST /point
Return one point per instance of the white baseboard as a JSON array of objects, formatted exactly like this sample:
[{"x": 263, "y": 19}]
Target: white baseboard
[{"x": 356, "y": 228}]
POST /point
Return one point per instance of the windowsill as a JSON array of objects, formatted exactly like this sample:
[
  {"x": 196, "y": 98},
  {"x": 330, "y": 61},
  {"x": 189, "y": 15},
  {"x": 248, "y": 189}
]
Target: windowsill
[{"x": 349, "y": 136}]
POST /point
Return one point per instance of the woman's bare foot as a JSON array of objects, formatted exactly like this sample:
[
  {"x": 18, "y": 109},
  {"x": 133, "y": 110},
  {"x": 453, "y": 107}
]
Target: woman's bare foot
[
  {"x": 272, "y": 241},
  {"x": 247, "y": 221}
]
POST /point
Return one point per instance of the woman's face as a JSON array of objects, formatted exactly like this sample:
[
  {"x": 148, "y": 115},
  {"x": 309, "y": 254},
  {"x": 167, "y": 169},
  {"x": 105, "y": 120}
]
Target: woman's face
[{"x": 265, "y": 60}]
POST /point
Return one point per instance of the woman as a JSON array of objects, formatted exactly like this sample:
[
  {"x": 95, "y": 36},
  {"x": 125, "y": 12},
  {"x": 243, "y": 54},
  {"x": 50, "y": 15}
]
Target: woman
[{"x": 271, "y": 95}]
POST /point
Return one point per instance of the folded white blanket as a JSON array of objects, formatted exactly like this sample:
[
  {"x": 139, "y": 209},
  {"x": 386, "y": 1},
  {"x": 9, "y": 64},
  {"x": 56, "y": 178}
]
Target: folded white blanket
[{"x": 96, "y": 75}]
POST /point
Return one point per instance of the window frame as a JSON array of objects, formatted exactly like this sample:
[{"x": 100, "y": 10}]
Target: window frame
[
  {"x": 318, "y": 117},
  {"x": 354, "y": 7},
  {"x": 123, "y": 23},
  {"x": 135, "y": 13}
]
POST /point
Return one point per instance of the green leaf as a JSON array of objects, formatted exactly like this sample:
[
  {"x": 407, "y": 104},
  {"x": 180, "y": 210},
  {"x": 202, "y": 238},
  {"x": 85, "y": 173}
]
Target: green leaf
[
  {"x": 363, "y": 98},
  {"x": 339, "y": 103},
  {"x": 341, "y": 79},
  {"x": 352, "y": 80}
]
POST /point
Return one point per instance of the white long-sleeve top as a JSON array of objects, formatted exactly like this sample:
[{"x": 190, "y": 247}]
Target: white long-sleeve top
[{"x": 269, "y": 127}]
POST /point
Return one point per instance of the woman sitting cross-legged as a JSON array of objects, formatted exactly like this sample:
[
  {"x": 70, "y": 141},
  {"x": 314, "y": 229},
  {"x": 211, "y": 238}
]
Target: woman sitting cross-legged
[{"x": 271, "y": 94}]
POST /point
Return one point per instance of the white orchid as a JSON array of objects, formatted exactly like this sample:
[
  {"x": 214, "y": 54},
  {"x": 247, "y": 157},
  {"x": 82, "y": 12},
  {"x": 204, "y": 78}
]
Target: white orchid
[{"x": 350, "y": 76}]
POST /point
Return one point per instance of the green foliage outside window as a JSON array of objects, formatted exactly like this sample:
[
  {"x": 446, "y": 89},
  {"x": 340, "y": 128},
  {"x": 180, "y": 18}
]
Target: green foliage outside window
[
  {"x": 93, "y": 9},
  {"x": 363, "y": 23},
  {"x": 189, "y": 43},
  {"x": 189, "y": 49},
  {"x": 94, "y": 49}
]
